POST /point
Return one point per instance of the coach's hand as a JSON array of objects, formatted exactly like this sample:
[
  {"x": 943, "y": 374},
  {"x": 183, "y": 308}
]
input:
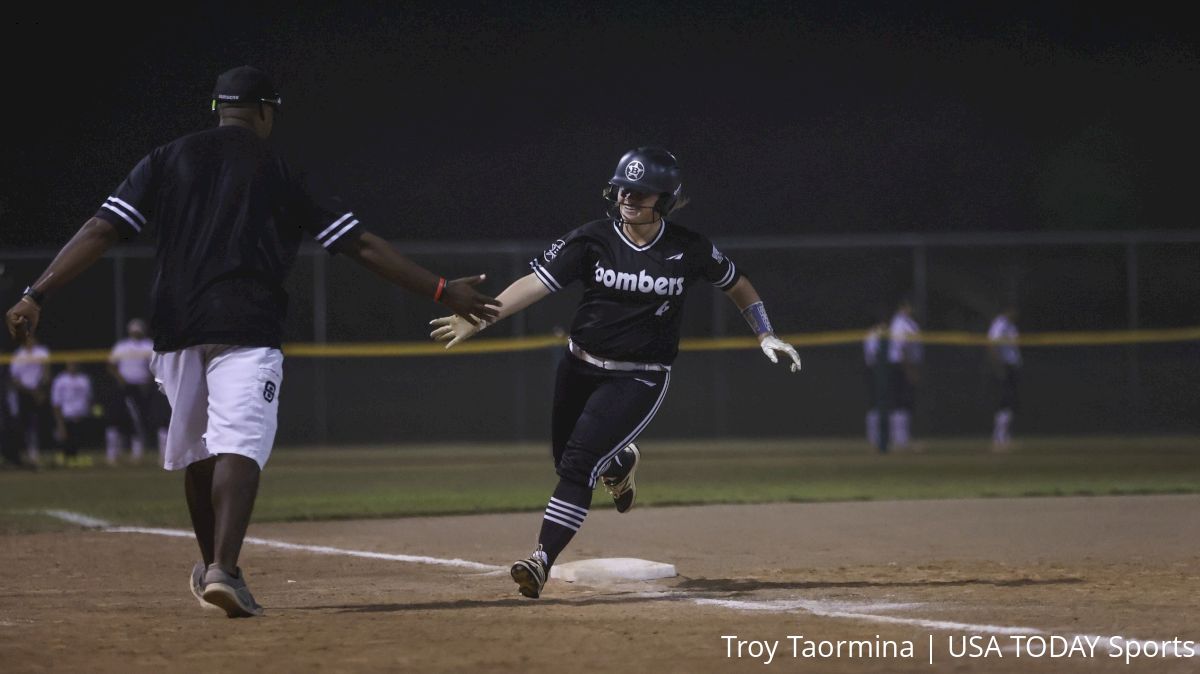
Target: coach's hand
[
  {"x": 770, "y": 344},
  {"x": 455, "y": 329},
  {"x": 471, "y": 305},
  {"x": 22, "y": 319}
]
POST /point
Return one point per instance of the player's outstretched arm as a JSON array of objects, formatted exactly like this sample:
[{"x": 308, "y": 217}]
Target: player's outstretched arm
[
  {"x": 522, "y": 293},
  {"x": 89, "y": 243},
  {"x": 748, "y": 302},
  {"x": 459, "y": 294}
]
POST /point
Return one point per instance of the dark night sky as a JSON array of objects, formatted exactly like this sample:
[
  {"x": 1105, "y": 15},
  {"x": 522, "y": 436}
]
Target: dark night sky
[{"x": 440, "y": 123}]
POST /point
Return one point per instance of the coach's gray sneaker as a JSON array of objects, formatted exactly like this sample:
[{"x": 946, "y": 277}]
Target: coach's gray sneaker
[
  {"x": 196, "y": 584},
  {"x": 531, "y": 573},
  {"x": 618, "y": 477},
  {"x": 229, "y": 592}
]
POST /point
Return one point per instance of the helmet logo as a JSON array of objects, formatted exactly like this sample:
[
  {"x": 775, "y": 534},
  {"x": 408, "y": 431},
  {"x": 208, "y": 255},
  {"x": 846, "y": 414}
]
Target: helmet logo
[{"x": 634, "y": 170}]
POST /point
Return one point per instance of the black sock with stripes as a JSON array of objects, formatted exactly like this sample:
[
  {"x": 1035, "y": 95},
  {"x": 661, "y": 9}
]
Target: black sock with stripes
[{"x": 564, "y": 515}]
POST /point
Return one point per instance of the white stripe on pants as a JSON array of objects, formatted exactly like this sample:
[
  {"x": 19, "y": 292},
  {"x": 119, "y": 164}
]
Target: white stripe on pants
[{"x": 224, "y": 400}]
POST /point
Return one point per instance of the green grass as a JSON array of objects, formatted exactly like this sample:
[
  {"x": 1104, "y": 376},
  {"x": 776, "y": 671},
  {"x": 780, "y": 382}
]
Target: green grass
[{"x": 359, "y": 482}]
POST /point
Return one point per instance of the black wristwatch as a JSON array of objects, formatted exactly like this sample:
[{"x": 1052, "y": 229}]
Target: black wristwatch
[{"x": 37, "y": 297}]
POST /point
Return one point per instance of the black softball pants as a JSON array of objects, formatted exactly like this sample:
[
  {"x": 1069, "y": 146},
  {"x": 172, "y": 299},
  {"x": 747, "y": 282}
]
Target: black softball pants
[{"x": 598, "y": 412}]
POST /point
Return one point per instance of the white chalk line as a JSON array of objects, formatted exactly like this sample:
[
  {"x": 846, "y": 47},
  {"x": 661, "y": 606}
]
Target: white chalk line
[
  {"x": 76, "y": 518},
  {"x": 93, "y": 523},
  {"x": 842, "y": 610}
]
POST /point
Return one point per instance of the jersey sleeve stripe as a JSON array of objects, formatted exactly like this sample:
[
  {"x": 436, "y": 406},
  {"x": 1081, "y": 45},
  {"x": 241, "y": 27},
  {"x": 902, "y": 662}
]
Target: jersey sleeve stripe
[
  {"x": 728, "y": 275},
  {"x": 335, "y": 237},
  {"x": 334, "y": 226},
  {"x": 116, "y": 210},
  {"x": 128, "y": 207},
  {"x": 546, "y": 277}
]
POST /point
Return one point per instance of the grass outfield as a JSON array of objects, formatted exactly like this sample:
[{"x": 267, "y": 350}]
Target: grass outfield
[{"x": 332, "y": 483}]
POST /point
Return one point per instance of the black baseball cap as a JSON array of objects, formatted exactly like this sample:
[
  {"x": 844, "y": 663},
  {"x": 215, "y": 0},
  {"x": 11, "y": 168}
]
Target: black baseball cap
[{"x": 245, "y": 84}]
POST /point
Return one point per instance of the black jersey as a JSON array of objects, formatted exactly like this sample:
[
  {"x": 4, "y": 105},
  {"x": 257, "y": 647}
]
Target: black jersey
[
  {"x": 633, "y": 295},
  {"x": 229, "y": 215}
]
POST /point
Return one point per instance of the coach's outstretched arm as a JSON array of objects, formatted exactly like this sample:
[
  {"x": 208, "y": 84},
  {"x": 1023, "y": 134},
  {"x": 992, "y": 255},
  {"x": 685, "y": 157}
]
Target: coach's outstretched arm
[
  {"x": 750, "y": 304},
  {"x": 380, "y": 257},
  {"x": 88, "y": 245},
  {"x": 522, "y": 293}
]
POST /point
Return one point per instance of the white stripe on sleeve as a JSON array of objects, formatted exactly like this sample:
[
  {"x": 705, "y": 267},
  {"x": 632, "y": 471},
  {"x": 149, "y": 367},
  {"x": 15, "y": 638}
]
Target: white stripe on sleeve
[
  {"x": 129, "y": 207},
  {"x": 115, "y": 209},
  {"x": 546, "y": 278},
  {"x": 334, "y": 226},
  {"x": 335, "y": 237},
  {"x": 728, "y": 275}
]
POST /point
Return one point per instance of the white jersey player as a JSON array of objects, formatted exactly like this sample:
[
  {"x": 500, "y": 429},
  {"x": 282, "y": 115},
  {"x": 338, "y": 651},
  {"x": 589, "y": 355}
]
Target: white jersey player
[
  {"x": 30, "y": 372},
  {"x": 139, "y": 408},
  {"x": 904, "y": 355},
  {"x": 1005, "y": 356},
  {"x": 71, "y": 398},
  {"x": 873, "y": 358}
]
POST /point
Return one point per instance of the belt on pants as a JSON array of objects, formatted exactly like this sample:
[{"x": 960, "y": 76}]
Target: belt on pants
[{"x": 620, "y": 365}]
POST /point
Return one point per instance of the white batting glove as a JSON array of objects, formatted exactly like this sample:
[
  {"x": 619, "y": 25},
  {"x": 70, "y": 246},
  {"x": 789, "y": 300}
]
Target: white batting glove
[
  {"x": 455, "y": 329},
  {"x": 770, "y": 344}
]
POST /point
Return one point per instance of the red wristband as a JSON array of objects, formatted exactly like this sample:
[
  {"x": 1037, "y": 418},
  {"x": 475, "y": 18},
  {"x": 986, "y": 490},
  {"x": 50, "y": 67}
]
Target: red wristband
[{"x": 437, "y": 294}]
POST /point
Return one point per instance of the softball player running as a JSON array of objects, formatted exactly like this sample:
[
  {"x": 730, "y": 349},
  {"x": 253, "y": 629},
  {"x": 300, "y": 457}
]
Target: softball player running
[
  {"x": 636, "y": 268},
  {"x": 229, "y": 214}
]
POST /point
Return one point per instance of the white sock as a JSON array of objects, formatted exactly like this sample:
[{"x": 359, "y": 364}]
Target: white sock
[
  {"x": 137, "y": 448},
  {"x": 873, "y": 428},
  {"x": 112, "y": 444}
]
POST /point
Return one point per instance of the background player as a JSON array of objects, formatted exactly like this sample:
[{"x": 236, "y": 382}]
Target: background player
[
  {"x": 904, "y": 358},
  {"x": 30, "y": 373},
  {"x": 1005, "y": 358},
  {"x": 71, "y": 397},
  {"x": 875, "y": 345},
  {"x": 136, "y": 413},
  {"x": 229, "y": 214},
  {"x": 636, "y": 269}
]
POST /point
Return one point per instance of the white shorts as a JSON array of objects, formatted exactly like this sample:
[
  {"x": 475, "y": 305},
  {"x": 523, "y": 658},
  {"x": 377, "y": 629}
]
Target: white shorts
[{"x": 224, "y": 400}]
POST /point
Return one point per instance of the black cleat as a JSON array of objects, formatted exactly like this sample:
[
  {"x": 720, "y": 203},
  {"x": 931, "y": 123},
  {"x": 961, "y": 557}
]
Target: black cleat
[
  {"x": 530, "y": 574},
  {"x": 619, "y": 482}
]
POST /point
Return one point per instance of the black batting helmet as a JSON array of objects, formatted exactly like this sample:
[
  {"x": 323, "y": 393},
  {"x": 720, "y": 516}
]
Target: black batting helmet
[{"x": 649, "y": 170}]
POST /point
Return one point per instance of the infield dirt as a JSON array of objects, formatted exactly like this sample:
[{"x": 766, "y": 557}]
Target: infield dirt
[{"x": 95, "y": 601}]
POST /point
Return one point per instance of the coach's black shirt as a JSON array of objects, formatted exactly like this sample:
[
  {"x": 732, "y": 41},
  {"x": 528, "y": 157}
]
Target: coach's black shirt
[
  {"x": 633, "y": 295},
  {"x": 229, "y": 215}
]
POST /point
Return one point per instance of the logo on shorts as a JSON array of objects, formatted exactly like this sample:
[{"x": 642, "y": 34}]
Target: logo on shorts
[
  {"x": 634, "y": 170},
  {"x": 269, "y": 391}
]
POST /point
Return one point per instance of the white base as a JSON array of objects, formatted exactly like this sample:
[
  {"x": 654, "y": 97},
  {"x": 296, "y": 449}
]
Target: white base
[{"x": 612, "y": 569}]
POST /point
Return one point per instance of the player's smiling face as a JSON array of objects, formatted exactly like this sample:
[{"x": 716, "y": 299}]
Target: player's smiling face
[{"x": 637, "y": 208}]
